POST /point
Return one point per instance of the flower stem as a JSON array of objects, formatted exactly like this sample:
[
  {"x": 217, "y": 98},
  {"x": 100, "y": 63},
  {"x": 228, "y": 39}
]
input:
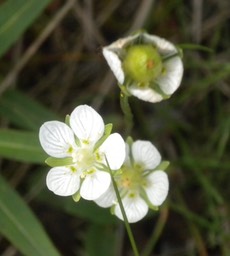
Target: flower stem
[
  {"x": 156, "y": 233},
  {"x": 124, "y": 102},
  {"x": 127, "y": 226}
]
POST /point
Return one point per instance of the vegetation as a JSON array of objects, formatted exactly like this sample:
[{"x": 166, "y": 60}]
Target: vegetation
[{"x": 51, "y": 62}]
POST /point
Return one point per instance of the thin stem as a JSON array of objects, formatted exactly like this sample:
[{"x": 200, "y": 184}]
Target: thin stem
[
  {"x": 127, "y": 226},
  {"x": 156, "y": 232},
  {"x": 127, "y": 112}
]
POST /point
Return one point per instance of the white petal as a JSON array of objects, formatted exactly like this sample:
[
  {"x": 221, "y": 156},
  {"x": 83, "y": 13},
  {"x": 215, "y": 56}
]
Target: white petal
[
  {"x": 120, "y": 43},
  {"x": 107, "y": 199},
  {"x": 63, "y": 181},
  {"x": 163, "y": 46},
  {"x": 135, "y": 208},
  {"x": 114, "y": 150},
  {"x": 170, "y": 80},
  {"x": 157, "y": 189},
  {"x": 146, "y": 154},
  {"x": 87, "y": 124},
  {"x": 94, "y": 185},
  {"x": 56, "y": 138},
  {"x": 146, "y": 94},
  {"x": 115, "y": 64}
]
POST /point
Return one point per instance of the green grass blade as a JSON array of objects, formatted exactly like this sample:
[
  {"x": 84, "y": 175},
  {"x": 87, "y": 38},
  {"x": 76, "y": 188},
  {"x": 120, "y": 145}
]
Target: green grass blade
[
  {"x": 21, "y": 146},
  {"x": 20, "y": 226},
  {"x": 15, "y": 17},
  {"x": 23, "y": 111}
]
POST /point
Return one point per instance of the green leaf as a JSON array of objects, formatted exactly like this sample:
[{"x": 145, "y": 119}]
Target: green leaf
[
  {"x": 15, "y": 17},
  {"x": 53, "y": 162},
  {"x": 84, "y": 209},
  {"x": 19, "y": 225},
  {"x": 21, "y": 146},
  {"x": 100, "y": 240},
  {"x": 24, "y": 112}
]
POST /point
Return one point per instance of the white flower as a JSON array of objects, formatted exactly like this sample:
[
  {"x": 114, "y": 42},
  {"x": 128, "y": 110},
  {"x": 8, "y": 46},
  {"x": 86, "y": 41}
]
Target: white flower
[
  {"x": 77, "y": 149},
  {"x": 140, "y": 183},
  {"x": 148, "y": 66}
]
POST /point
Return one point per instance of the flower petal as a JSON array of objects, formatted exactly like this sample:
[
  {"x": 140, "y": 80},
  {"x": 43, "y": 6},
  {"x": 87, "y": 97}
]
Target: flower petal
[
  {"x": 157, "y": 189},
  {"x": 115, "y": 64},
  {"x": 114, "y": 150},
  {"x": 163, "y": 46},
  {"x": 94, "y": 185},
  {"x": 63, "y": 181},
  {"x": 146, "y": 154},
  {"x": 56, "y": 138},
  {"x": 107, "y": 199},
  {"x": 146, "y": 94},
  {"x": 171, "y": 78},
  {"x": 135, "y": 208},
  {"x": 87, "y": 124}
]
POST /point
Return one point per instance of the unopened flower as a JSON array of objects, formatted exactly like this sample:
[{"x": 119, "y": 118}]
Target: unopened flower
[
  {"x": 79, "y": 149},
  {"x": 141, "y": 182},
  {"x": 146, "y": 66}
]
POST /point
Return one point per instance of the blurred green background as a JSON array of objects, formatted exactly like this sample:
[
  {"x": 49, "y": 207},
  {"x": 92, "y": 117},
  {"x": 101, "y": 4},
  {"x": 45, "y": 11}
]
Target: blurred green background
[{"x": 51, "y": 61}]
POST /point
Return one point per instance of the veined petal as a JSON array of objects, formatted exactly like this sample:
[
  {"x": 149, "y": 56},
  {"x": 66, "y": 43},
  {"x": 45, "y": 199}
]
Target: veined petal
[
  {"x": 56, "y": 138},
  {"x": 87, "y": 124},
  {"x": 146, "y": 94},
  {"x": 94, "y": 185},
  {"x": 163, "y": 46},
  {"x": 157, "y": 188},
  {"x": 115, "y": 64},
  {"x": 171, "y": 78},
  {"x": 63, "y": 181},
  {"x": 146, "y": 154},
  {"x": 135, "y": 208},
  {"x": 107, "y": 199},
  {"x": 114, "y": 149}
]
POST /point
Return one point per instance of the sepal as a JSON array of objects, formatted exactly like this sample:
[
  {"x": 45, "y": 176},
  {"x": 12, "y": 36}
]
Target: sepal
[
  {"x": 55, "y": 162},
  {"x": 107, "y": 132},
  {"x": 76, "y": 197}
]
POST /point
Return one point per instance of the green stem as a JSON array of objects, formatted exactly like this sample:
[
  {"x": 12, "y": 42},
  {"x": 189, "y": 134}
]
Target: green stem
[
  {"x": 127, "y": 226},
  {"x": 156, "y": 233},
  {"x": 127, "y": 111}
]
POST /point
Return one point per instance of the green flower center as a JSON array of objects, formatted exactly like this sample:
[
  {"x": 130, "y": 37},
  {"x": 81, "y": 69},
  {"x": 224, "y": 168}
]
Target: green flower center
[
  {"x": 85, "y": 158},
  {"x": 142, "y": 63},
  {"x": 131, "y": 178}
]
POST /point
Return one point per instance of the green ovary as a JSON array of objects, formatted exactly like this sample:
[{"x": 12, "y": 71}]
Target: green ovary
[
  {"x": 142, "y": 63},
  {"x": 130, "y": 178}
]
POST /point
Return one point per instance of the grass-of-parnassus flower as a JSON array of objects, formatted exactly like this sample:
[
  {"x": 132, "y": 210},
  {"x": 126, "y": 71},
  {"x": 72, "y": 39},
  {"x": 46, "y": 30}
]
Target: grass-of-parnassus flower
[
  {"x": 79, "y": 151},
  {"x": 146, "y": 66},
  {"x": 141, "y": 182}
]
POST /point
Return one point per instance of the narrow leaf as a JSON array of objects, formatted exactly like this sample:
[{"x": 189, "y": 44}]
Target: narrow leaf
[
  {"x": 19, "y": 225},
  {"x": 15, "y": 18},
  {"x": 21, "y": 146},
  {"x": 23, "y": 111}
]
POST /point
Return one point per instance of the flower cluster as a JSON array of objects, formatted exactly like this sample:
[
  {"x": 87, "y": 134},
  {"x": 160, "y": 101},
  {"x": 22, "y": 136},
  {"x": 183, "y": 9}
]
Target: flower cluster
[
  {"x": 87, "y": 160},
  {"x": 146, "y": 66},
  {"x": 142, "y": 182}
]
